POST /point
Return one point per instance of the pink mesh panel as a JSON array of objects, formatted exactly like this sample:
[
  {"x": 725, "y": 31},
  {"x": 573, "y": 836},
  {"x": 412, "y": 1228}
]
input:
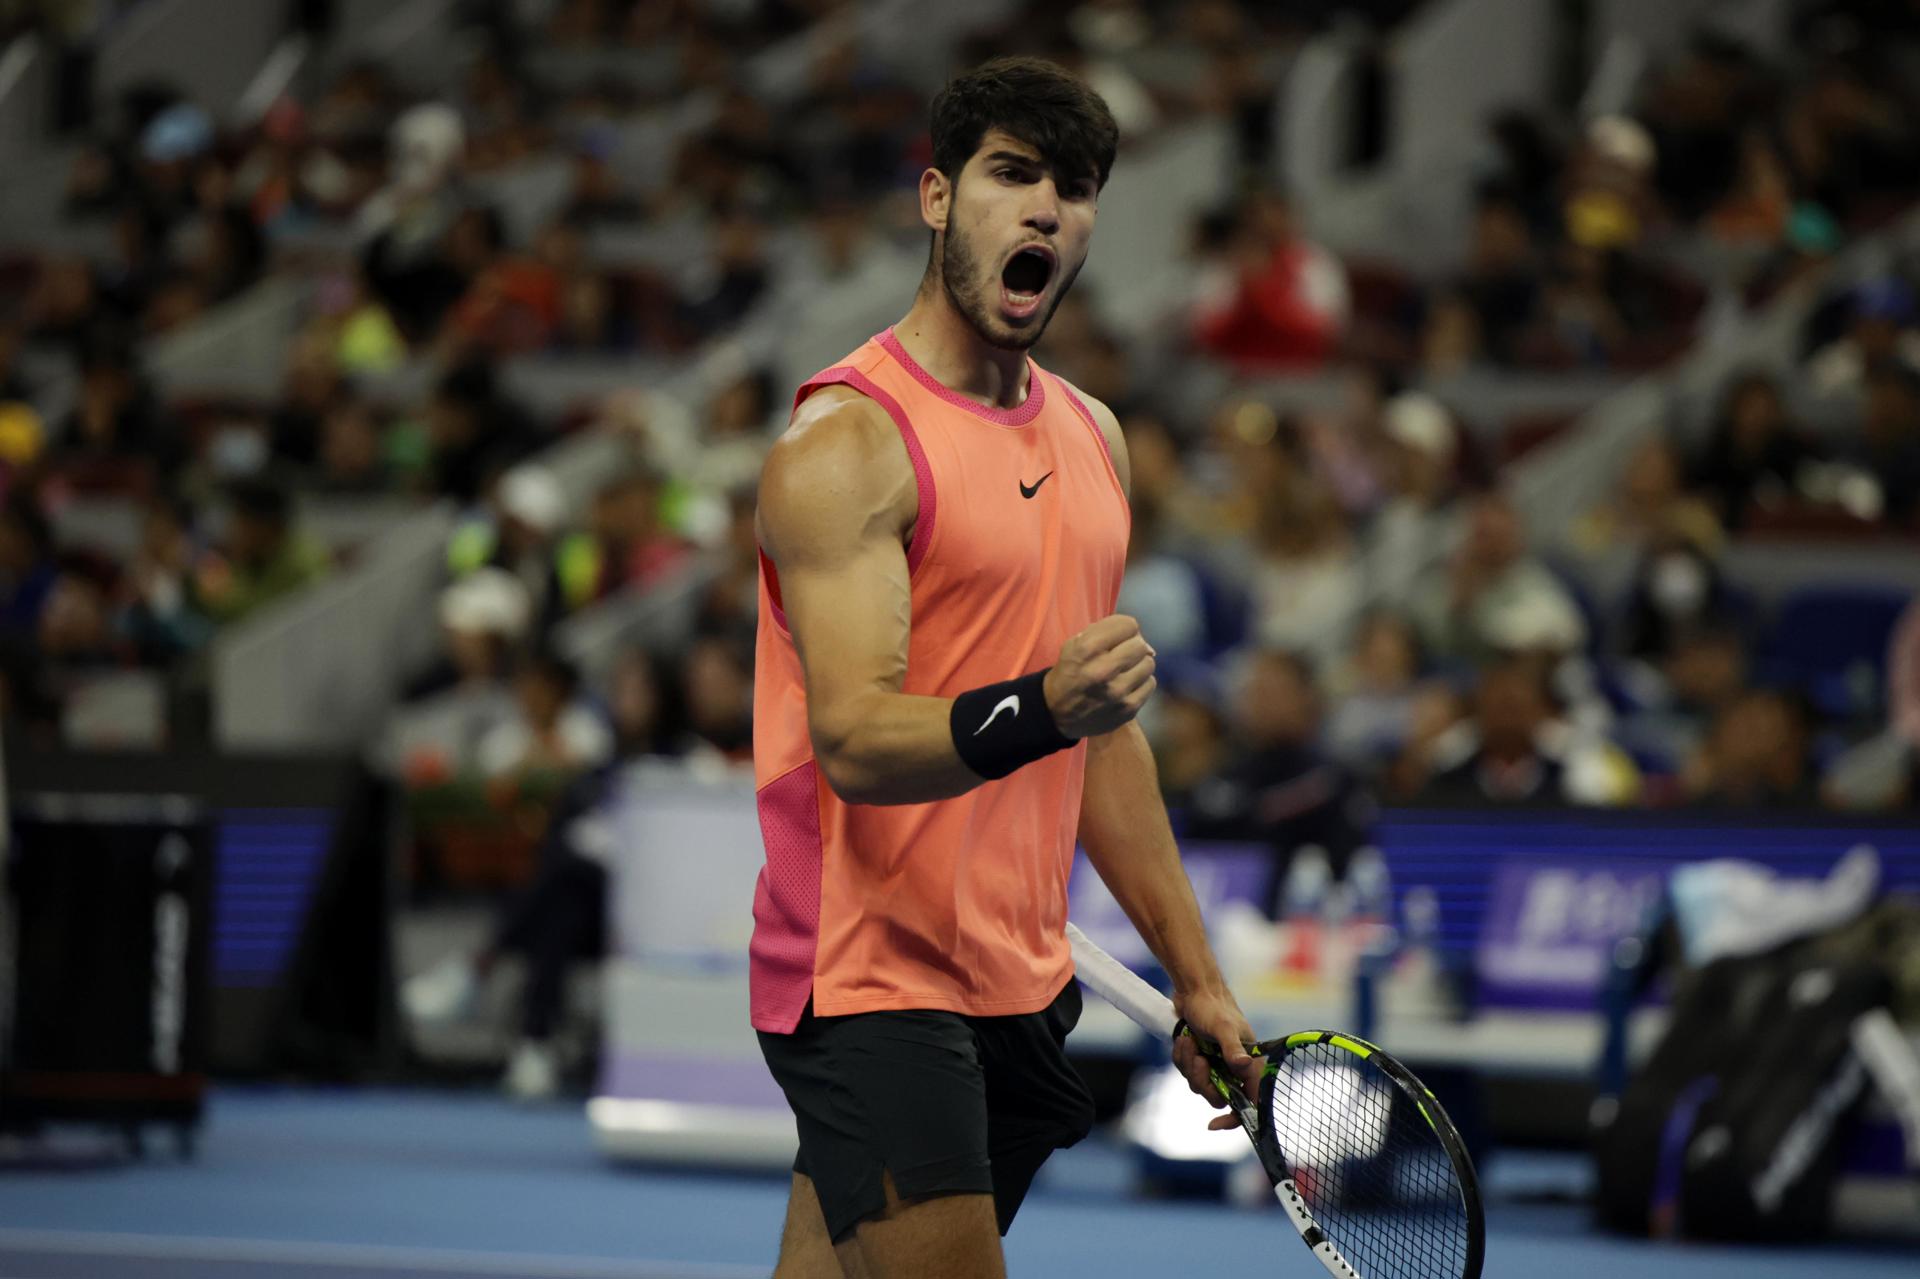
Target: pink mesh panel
[{"x": 786, "y": 901}]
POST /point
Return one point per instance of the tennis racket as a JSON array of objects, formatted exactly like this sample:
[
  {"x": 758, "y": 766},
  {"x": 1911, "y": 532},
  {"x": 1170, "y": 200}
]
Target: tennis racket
[{"x": 1367, "y": 1165}]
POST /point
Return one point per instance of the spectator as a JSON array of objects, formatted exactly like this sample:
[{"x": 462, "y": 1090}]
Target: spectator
[
  {"x": 738, "y": 274},
  {"x": 1418, "y": 523},
  {"x": 625, "y": 544},
  {"x": 1190, "y": 743},
  {"x": 72, "y": 642},
  {"x": 229, "y": 257},
  {"x": 1677, "y": 592},
  {"x": 515, "y": 301},
  {"x": 113, "y": 439},
  {"x": 733, "y": 444},
  {"x": 1753, "y": 215},
  {"x": 1580, "y": 319},
  {"x": 1161, "y": 591},
  {"x": 1677, "y": 697},
  {"x": 597, "y": 195},
  {"x": 1502, "y": 280},
  {"x": 553, "y": 730},
  {"x": 1753, "y": 455},
  {"x": 352, "y": 457},
  {"x": 729, "y": 606},
  {"x": 717, "y": 679},
  {"x": 559, "y": 917},
  {"x": 1451, "y": 344},
  {"x": 1649, "y": 505},
  {"x": 170, "y": 144},
  {"x": 1610, "y": 199},
  {"x": 1307, "y": 585},
  {"x": 311, "y": 387},
  {"x": 591, "y": 320},
  {"x": 76, "y": 635},
  {"x": 1279, "y": 789},
  {"x": 27, "y": 571},
  {"x": 263, "y": 558},
  {"x": 423, "y": 248},
  {"x": 1495, "y": 597},
  {"x": 1377, "y": 689},
  {"x": 452, "y": 707},
  {"x": 1275, "y": 300},
  {"x": 14, "y": 385},
  {"x": 1515, "y": 750},
  {"x": 1755, "y": 755},
  {"x": 1349, "y": 445},
  {"x": 515, "y": 533},
  {"x": 157, "y": 608},
  {"x": 1888, "y": 450},
  {"x": 472, "y": 431},
  {"x": 1694, "y": 113},
  {"x": 1880, "y": 330},
  {"x": 65, "y": 302}
]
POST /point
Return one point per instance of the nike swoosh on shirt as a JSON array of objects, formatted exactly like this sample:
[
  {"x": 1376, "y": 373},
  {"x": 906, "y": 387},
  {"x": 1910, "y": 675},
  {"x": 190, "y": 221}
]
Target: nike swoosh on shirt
[
  {"x": 1011, "y": 702},
  {"x": 1029, "y": 492}
]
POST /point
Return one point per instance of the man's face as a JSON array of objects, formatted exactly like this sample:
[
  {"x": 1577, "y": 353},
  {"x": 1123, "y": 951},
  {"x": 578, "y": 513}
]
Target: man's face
[
  {"x": 1277, "y": 706},
  {"x": 252, "y": 540},
  {"x": 1015, "y": 235},
  {"x": 1512, "y": 709}
]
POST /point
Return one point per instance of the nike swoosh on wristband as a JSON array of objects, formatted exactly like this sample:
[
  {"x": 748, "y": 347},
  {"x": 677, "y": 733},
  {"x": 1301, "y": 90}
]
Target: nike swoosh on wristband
[{"x": 1011, "y": 702}]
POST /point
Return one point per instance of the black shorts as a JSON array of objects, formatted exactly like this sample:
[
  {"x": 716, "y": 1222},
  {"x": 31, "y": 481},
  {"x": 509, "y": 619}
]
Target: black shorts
[{"x": 948, "y": 1103}]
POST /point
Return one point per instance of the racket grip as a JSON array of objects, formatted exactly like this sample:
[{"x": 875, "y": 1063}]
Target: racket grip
[{"x": 1114, "y": 982}]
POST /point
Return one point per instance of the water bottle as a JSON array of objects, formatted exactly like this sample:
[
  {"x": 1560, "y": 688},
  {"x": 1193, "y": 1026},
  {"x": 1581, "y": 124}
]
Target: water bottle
[{"x": 1302, "y": 896}]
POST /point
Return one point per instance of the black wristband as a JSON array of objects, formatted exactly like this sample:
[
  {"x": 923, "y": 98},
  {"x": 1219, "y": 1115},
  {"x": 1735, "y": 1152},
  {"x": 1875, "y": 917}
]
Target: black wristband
[{"x": 998, "y": 728}]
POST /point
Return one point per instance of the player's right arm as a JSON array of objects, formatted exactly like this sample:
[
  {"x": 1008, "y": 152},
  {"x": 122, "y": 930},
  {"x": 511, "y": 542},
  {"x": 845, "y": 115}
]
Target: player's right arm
[{"x": 837, "y": 506}]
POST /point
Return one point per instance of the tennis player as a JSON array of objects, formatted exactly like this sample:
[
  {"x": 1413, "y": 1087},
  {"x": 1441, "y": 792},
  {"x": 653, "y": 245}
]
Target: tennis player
[{"x": 944, "y": 701}]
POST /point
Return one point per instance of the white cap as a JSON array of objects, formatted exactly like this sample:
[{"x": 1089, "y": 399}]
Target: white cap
[
  {"x": 1535, "y": 620},
  {"x": 426, "y": 142},
  {"x": 489, "y": 600},
  {"x": 532, "y": 495},
  {"x": 1623, "y": 140},
  {"x": 1421, "y": 423}
]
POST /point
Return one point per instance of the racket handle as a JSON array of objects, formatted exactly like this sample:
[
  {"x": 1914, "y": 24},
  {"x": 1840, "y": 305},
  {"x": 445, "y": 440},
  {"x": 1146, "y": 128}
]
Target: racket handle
[{"x": 1114, "y": 982}]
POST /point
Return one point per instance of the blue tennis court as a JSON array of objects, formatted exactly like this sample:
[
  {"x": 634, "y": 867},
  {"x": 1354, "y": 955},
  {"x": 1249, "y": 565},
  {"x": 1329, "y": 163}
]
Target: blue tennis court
[{"x": 359, "y": 1185}]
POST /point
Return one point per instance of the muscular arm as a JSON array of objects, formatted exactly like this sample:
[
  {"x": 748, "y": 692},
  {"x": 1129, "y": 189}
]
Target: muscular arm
[
  {"x": 837, "y": 502},
  {"x": 1124, "y": 828}
]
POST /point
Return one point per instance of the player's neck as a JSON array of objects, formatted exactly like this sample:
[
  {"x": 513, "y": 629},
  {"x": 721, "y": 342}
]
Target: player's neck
[{"x": 942, "y": 342}]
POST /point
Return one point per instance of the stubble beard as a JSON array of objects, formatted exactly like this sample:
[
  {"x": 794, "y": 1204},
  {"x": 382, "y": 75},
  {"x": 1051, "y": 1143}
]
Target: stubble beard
[{"x": 968, "y": 289}]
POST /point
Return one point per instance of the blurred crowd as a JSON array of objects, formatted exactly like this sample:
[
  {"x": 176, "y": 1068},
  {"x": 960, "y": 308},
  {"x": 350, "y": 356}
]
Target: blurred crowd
[{"x": 1346, "y": 596}]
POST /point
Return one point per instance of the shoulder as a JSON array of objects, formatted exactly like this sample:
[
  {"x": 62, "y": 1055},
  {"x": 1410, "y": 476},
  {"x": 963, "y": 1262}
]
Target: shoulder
[
  {"x": 1109, "y": 425},
  {"x": 838, "y": 436},
  {"x": 840, "y": 457}
]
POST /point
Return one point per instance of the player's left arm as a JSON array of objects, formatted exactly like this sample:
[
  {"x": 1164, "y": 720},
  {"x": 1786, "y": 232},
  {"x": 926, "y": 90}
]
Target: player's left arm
[{"x": 1124, "y": 828}]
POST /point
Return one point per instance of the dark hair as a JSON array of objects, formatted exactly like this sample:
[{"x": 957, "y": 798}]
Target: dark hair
[
  {"x": 1039, "y": 102},
  {"x": 24, "y": 514},
  {"x": 1893, "y": 373},
  {"x": 262, "y": 500},
  {"x": 469, "y": 384},
  {"x": 549, "y": 666},
  {"x": 1293, "y": 662}
]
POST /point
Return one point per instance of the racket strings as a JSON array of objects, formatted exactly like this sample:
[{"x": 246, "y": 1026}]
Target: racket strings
[{"x": 1369, "y": 1166}]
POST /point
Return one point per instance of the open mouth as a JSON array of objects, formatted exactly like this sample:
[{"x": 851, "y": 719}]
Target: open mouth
[{"x": 1024, "y": 280}]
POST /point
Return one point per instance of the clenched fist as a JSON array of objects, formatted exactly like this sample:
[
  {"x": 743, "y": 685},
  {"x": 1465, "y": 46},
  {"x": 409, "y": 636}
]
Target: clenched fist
[{"x": 1103, "y": 678}]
